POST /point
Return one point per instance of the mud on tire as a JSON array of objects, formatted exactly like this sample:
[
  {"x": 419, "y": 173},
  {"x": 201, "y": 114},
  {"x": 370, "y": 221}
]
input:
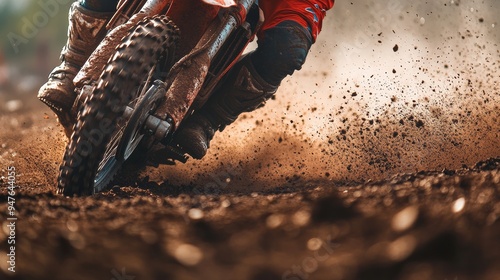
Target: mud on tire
[{"x": 152, "y": 39}]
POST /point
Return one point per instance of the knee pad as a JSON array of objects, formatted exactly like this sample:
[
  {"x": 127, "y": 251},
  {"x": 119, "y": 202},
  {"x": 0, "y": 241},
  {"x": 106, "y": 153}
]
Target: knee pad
[
  {"x": 281, "y": 50},
  {"x": 104, "y": 6}
]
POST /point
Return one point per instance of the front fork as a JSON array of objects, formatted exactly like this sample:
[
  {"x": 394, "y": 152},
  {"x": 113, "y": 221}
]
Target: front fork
[{"x": 188, "y": 77}]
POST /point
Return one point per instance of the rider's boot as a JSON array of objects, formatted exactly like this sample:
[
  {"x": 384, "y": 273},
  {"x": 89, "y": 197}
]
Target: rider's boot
[
  {"x": 85, "y": 32},
  {"x": 242, "y": 91}
]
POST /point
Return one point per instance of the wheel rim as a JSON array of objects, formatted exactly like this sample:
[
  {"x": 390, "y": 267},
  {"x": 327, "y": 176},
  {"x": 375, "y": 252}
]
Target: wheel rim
[{"x": 133, "y": 132}]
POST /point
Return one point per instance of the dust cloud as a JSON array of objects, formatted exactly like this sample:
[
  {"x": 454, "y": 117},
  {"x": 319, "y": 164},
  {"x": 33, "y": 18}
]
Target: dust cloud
[{"x": 389, "y": 87}]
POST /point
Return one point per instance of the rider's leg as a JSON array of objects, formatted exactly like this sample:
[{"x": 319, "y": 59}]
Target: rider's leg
[
  {"x": 288, "y": 32},
  {"x": 87, "y": 21},
  {"x": 253, "y": 80}
]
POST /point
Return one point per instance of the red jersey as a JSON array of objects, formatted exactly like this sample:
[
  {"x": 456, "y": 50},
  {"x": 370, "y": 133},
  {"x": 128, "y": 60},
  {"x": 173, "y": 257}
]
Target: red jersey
[{"x": 308, "y": 13}]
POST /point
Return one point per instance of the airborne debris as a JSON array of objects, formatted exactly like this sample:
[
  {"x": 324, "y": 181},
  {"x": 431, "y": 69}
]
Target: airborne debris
[
  {"x": 195, "y": 214},
  {"x": 458, "y": 205},
  {"x": 274, "y": 220},
  {"x": 13, "y": 105},
  {"x": 405, "y": 218},
  {"x": 188, "y": 254}
]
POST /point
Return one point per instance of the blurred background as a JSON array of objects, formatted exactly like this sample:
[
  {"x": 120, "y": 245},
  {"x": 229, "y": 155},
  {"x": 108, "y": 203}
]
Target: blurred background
[{"x": 32, "y": 33}]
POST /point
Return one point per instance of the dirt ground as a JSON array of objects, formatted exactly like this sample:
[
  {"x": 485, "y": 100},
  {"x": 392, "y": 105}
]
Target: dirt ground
[{"x": 424, "y": 225}]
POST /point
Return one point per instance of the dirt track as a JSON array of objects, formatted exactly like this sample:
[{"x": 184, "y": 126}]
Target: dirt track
[{"x": 428, "y": 225}]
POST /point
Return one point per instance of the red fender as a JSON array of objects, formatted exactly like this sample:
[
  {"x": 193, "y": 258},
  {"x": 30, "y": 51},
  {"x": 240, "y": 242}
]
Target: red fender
[{"x": 192, "y": 17}]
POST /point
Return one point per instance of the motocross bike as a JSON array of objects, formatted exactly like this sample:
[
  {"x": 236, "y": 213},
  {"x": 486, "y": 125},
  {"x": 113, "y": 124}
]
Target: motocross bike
[{"x": 145, "y": 78}]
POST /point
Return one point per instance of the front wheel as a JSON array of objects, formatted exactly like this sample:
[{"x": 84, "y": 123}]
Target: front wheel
[{"x": 88, "y": 160}]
